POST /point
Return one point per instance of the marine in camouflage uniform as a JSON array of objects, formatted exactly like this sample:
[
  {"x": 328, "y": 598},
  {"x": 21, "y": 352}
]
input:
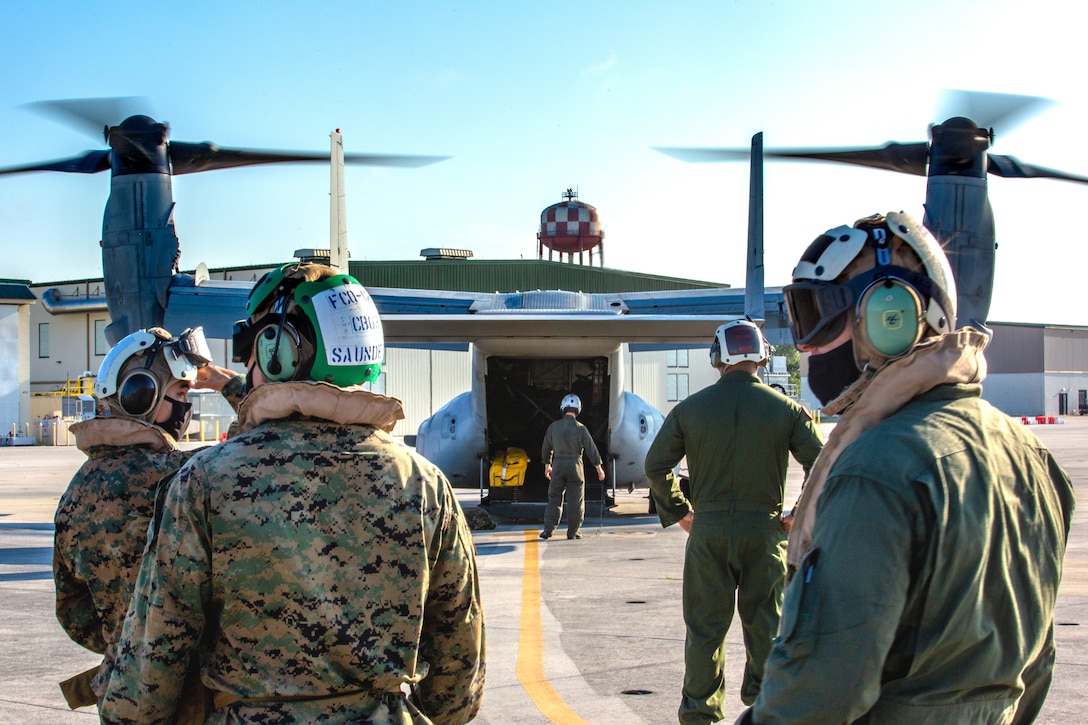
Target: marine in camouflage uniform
[
  {"x": 102, "y": 519},
  {"x": 101, "y": 524},
  {"x": 738, "y": 435},
  {"x": 323, "y": 570}
]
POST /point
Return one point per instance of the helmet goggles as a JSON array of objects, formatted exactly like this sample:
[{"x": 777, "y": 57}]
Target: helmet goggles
[
  {"x": 245, "y": 332},
  {"x": 187, "y": 354},
  {"x": 816, "y": 309}
]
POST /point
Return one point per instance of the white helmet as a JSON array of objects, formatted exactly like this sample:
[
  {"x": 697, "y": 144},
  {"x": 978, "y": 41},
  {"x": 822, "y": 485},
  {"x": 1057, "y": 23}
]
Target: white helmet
[
  {"x": 571, "y": 402},
  {"x": 136, "y": 372},
  {"x": 893, "y": 275},
  {"x": 736, "y": 342}
]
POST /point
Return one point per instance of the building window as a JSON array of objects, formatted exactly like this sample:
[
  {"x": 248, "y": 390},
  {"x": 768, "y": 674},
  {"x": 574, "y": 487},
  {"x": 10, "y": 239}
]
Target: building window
[
  {"x": 43, "y": 339},
  {"x": 676, "y": 359},
  {"x": 676, "y": 386},
  {"x": 101, "y": 347}
]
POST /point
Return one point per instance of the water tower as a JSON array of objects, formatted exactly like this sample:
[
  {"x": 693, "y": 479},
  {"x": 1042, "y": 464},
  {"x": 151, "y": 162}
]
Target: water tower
[{"x": 570, "y": 227}]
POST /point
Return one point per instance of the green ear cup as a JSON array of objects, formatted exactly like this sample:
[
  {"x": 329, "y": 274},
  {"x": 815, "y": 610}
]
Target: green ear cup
[{"x": 892, "y": 317}]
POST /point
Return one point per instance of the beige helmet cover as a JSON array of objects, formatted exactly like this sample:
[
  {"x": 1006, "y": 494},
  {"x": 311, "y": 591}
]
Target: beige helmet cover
[{"x": 912, "y": 247}]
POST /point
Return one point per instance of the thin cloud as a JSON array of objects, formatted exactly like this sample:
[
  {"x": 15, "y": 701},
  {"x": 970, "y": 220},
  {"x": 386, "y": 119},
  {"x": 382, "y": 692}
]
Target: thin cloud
[{"x": 601, "y": 68}]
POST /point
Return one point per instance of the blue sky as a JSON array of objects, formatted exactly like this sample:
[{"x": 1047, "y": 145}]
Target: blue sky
[{"x": 532, "y": 98}]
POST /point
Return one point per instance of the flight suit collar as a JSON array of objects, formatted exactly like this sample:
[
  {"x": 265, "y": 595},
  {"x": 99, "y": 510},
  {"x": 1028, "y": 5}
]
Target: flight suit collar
[
  {"x": 739, "y": 376},
  {"x": 349, "y": 406},
  {"x": 120, "y": 431},
  {"x": 948, "y": 366}
]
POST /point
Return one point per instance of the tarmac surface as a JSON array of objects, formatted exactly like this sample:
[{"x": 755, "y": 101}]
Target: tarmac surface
[{"x": 585, "y": 631}]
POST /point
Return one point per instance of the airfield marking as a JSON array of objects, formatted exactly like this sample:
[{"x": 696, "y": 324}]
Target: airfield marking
[{"x": 530, "y": 667}]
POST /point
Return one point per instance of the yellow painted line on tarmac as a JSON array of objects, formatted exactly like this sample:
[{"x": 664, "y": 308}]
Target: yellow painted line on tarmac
[{"x": 530, "y": 667}]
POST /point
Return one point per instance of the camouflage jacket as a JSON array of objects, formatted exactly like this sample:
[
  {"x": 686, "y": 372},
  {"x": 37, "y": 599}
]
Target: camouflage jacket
[
  {"x": 101, "y": 524},
  {"x": 322, "y": 568},
  {"x": 102, "y": 520}
]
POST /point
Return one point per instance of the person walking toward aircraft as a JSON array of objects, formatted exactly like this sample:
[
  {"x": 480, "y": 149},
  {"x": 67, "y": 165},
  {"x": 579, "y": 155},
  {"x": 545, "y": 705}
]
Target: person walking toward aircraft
[
  {"x": 738, "y": 435},
  {"x": 323, "y": 571},
  {"x": 564, "y": 443},
  {"x": 930, "y": 535},
  {"x": 102, "y": 518}
]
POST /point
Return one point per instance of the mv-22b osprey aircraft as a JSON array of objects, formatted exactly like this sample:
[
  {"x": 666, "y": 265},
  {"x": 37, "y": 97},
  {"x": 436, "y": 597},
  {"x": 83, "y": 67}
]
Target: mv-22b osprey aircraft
[
  {"x": 531, "y": 347},
  {"x": 528, "y": 349}
]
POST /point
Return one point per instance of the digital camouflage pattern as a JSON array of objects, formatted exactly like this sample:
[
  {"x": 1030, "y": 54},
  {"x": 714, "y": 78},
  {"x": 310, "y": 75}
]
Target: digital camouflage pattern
[
  {"x": 102, "y": 520},
  {"x": 322, "y": 568},
  {"x": 101, "y": 524},
  {"x": 235, "y": 391}
]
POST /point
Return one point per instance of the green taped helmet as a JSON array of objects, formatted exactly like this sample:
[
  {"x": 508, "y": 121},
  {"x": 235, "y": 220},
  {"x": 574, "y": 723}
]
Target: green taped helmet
[{"x": 310, "y": 322}]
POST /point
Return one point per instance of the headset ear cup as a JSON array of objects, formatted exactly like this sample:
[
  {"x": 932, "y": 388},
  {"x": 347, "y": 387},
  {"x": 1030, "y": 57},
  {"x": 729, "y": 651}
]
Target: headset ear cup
[
  {"x": 138, "y": 393},
  {"x": 278, "y": 363},
  {"x": 891, "y": 313}
]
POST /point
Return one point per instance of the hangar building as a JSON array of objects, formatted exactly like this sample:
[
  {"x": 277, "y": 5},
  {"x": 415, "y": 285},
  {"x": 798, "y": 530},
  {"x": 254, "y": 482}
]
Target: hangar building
[{"x": 53, "y": 333}]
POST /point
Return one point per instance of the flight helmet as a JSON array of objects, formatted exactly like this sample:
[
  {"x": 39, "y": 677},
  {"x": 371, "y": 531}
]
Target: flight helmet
[
  {"x": 571, "y": 403},
  {"x": 736, "y": 342},
  {"x": 136, "y": 372},
  {"x": 886, "y": 276},
  {"x": 310, "y": 322}
]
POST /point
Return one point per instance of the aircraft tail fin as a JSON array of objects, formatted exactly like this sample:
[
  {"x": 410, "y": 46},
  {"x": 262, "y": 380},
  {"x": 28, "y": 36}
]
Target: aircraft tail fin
[{"x": 753, "y": 278}]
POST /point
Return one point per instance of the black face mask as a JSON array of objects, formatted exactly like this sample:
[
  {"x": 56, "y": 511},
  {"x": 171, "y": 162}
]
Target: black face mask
[
  {"x": 832, "y": 372},
  {"x": 179, "y": 418}
]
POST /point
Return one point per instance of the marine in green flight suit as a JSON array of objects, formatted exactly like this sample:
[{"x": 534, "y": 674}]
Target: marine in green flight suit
[
  {"x": 930, "y": 535},
  {"x": 738, "y": 435},
  {"x": 564, "y": 443}
]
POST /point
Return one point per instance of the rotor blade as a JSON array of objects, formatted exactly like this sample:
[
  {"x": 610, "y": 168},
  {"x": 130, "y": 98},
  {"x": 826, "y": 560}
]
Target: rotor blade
[
  {"x": 1000, "y": 111},
  {"x": 702, "y": 156},
  {"x": 90, "y": 115},
  {"x": 188, "y": 158},
  {"x": 89, "y": 163},
  {"x": 1012, "y": 168},
  {"x": 907, "y": 158},
  {"x": 400, "y": 161}
]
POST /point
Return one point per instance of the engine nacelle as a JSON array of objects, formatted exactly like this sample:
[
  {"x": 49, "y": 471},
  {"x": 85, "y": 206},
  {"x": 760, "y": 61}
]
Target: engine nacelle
[{"x": 453, "y": 440}]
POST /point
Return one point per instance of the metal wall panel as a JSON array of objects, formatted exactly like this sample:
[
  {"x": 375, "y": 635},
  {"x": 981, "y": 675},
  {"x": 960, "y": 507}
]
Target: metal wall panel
[
  {"x": 11, "y": 377},
  {"x": 1016, "y": 394},
  {"x": 1015, "y": 349},
  {"x": 649, "y": 370},
  {"x": 646, "y": 377},
  {"x": 424, "y": 381},
  {"x": 1065, "y": 350}
]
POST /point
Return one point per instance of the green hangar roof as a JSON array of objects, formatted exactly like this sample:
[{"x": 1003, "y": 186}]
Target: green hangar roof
[
  {"x": 513, "y": 275},
  {"x": 16, "y": 291}
]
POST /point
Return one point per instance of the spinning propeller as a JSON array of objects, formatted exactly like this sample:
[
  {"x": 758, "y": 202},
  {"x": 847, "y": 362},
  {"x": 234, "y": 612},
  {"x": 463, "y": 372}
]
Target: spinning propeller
[
  {"x": 140, "y": 249},
  {"x": 139, "y": 144},
  {"x": 956, "y": 161}
]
